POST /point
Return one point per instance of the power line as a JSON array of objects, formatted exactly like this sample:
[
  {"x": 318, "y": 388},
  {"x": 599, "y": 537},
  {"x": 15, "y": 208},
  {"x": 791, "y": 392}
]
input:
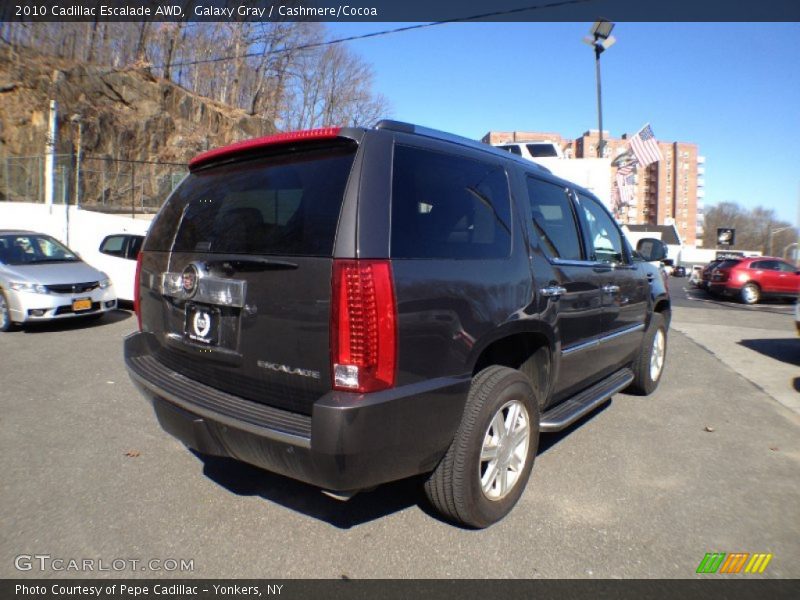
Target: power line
[{"x": 374, "y": 34}]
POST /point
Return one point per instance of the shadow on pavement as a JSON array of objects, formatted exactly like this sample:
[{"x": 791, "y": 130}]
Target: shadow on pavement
[
  {"x": 783, "y": 349},
  {"x": 548, "y": 440},
  {"x": 245, "y": 480},
  {"x": 72, "y": 323},
  {"x": 766, "y": 305}
]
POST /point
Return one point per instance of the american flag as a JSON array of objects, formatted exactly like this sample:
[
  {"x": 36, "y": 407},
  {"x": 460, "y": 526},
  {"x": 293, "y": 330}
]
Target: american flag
[
  {"x": 625, "y": 185},
  {"x": 645, "y": 146},
  {"x": 627, "y": 168}
]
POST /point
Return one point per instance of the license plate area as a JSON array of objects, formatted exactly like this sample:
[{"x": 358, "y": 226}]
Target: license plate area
[
  {"x": 81, "y": 304},
  {"x": 202, "y": 323}
]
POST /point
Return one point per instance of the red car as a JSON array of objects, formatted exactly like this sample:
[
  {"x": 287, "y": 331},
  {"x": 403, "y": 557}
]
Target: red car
[{"x": 751, "y": 279}]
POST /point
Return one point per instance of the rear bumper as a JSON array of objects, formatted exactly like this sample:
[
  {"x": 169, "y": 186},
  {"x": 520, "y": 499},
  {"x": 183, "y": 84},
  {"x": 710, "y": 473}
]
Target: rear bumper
[{"x": 350, "y": 442}]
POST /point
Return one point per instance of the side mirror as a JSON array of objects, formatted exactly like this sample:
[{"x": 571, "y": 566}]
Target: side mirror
[{"x": 651, "y": 249}]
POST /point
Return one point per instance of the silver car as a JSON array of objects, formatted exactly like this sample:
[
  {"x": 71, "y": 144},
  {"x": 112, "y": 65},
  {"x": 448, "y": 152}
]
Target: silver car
[{"x": 41, "y": 279}]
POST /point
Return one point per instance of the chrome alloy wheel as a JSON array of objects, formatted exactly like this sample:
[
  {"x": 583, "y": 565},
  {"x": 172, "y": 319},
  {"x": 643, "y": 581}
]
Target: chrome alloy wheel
[
  {"x": 505, "y": 450},
  {"x": 749, "y": 294},
  {"x": 657, "y": 355}
]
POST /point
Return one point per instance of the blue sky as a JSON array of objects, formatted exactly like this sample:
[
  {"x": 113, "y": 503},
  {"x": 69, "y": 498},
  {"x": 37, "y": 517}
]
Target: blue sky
[{"x": 731, "y": 88}]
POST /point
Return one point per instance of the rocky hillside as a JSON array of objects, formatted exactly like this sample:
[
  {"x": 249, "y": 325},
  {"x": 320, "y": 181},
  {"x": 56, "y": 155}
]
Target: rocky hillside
[{"x": 124, "y": 114}]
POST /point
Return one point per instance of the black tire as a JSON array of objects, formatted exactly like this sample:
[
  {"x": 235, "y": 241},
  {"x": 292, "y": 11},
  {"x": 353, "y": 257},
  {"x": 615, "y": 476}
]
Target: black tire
[
  {"x": 6, "y": 324},
  {"x": 750, "y": 293},
  {"x": 644, "y": 383},
  {"x": 455, "y": 489}
]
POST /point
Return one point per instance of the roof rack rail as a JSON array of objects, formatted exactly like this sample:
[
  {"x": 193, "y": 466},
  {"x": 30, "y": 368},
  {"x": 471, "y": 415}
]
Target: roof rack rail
[{"x": 403, "y": 127}]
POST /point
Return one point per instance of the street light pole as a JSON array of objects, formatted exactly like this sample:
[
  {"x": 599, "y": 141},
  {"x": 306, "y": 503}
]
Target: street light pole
[
  {"x": 598, "y": 50},
  {"x": 773, "y": 232},
  {"x": 601, "y": 40}
]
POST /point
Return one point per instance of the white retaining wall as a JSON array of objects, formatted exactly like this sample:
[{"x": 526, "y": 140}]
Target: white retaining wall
[{"x": 81, "y": 230}]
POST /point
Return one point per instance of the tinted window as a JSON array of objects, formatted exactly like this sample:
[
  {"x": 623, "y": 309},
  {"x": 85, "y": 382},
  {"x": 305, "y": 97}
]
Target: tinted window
[
  {"x": 512, "y": 149},
  {"x": 135, "y": 246},
  {"x": 553, "y": 220},
  {"x": 761, "y": 264},
  {"x": 786, "y": 267},
  {"x": 280, "y": 205},
  {"x": 445, "y": 206},
  {"x": 113, "y": 245},
  {"x": 21, "y": 249},
  {"x": 542, "y": 150},
  {"x": 603, "y": 233}
]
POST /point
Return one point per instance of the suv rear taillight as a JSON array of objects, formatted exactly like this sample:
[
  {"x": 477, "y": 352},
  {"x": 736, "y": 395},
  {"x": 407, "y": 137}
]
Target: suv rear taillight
[
  {"x": 136, "y": 308},
  {"x": 363, "y": 326}
]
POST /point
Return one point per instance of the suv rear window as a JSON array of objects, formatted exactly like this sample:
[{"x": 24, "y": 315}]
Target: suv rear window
[
  {"x": 279, "y": 205},
  {"x": 727, "y": 264},
  {"x": 446, "y": 206}
]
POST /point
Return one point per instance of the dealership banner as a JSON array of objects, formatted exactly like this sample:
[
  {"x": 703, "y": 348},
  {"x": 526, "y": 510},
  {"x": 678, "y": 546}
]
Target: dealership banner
[{"x": 31, "y": 11}]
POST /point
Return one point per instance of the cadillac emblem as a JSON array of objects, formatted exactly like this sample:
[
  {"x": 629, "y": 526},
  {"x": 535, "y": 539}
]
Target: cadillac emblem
[{"x": 189, "y": 279}]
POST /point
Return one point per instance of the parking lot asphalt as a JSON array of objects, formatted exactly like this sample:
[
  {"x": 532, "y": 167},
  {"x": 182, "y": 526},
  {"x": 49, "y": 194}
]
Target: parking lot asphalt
[{"x": 642, "y": 488}]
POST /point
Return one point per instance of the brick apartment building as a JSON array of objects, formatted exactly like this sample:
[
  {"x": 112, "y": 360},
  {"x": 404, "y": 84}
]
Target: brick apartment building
[{"x": 666, "y": 192}]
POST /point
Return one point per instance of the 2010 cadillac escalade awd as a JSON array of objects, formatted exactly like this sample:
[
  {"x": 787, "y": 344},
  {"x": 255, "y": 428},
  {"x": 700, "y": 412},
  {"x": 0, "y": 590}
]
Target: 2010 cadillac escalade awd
[{"x": 353, "y": 306}]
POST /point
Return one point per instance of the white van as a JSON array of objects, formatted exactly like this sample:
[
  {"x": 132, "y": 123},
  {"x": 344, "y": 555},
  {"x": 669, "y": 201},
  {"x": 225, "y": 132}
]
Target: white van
[{"x": 533, "y": 150}]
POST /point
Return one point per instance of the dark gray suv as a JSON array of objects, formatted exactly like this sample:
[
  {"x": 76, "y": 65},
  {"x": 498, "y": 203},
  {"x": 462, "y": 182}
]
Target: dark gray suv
[{"x": 353, "y": 306}]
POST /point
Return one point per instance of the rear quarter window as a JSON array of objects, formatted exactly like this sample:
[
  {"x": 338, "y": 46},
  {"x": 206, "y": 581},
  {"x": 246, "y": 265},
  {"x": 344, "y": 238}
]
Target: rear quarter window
[
  {"x": 286, "y": 204},
  {"x": 448, "y": 206},
  {"x": 113, "y": 245},
  {"x": 553, "y": 220}
]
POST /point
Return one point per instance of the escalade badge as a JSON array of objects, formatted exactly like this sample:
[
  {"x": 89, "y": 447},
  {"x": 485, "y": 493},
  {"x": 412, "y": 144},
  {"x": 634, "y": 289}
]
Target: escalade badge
[{"x": 288, "y": 370}]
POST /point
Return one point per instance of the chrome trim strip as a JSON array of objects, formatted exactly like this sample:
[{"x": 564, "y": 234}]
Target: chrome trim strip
[
  {"x": 578, "y": 347},
  {"x": 210, "y": 290},
  {"x": 596, "y": 342},
  {"x": 622, "y": 332}
]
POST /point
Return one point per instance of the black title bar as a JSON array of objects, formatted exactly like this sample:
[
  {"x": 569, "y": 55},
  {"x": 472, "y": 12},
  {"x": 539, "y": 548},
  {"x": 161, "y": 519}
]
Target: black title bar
[{"x": 32, "y": 11}]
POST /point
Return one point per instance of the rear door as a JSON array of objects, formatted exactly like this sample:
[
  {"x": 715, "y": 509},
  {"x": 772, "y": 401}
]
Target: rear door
[
  {"x": 766, "y": 274},
  {"x": 236, "y": 272}
]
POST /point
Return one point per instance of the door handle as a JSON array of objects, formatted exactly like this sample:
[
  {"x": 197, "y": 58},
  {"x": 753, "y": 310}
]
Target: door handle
[
  {"x": 610, "y": 288},
  {"x": 552, "y": 291}
]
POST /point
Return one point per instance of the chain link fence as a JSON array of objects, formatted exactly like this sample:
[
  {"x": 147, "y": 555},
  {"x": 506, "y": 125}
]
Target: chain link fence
[{"x": 94, "y": 183}]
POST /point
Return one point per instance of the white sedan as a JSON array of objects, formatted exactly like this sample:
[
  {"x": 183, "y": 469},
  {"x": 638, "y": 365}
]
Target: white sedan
[{"x": 41, "y": 279}]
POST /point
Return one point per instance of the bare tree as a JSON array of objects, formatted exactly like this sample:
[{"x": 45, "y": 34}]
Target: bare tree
[
  {"x": 753, "y": 227},
  {"x": 285, "y": 72}
]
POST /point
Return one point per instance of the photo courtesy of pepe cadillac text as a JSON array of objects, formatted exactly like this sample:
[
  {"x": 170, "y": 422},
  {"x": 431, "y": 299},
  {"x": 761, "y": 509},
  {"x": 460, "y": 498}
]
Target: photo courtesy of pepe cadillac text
[{"x": 140, "y": 589}]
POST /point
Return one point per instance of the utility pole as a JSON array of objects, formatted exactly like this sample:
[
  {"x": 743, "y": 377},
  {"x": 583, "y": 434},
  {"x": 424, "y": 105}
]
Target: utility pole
[
  {"x": 49, "y": 157},
  {"x": 76, "y": 155}
]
